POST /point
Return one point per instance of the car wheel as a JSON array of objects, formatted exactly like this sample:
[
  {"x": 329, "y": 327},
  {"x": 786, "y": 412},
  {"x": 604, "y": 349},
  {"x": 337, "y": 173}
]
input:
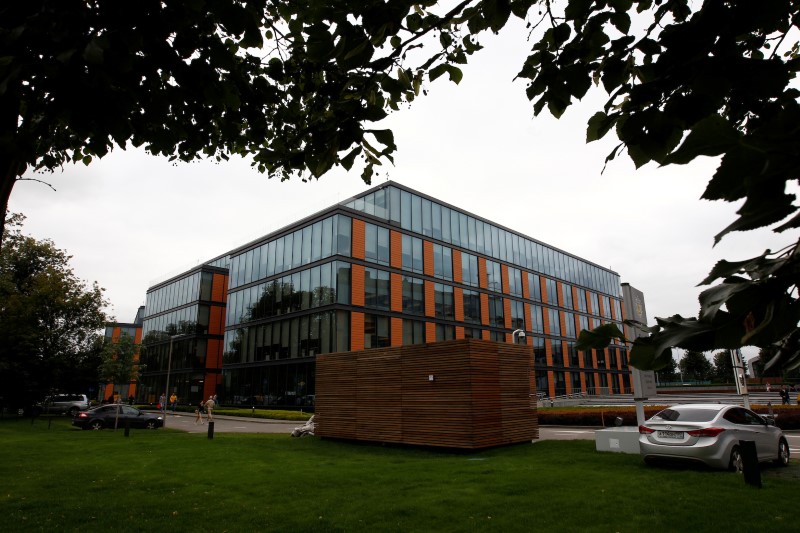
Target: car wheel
[
  {"x": 735, "y": 464},
  {"x": 151, "y": 424},
  {"x": 783, "y": 453},
  {"x": 96, "y": 425}
]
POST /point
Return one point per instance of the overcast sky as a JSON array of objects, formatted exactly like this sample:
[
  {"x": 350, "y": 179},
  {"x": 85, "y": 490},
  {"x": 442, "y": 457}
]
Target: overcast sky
[{"x": 132, "y": 219}]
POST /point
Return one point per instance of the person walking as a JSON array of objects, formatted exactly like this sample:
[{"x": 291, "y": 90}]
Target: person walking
[
  {"x": 162, "y": 403},
  {"x": 173, "y": 402},
  {"x": 784, "y": 395},
  {"x": 199, "y": 413},
  {"x": 210, "y": 408}
]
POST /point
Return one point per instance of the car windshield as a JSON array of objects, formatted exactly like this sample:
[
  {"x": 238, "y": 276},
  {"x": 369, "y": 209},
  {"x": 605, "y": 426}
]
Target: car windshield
[{"x": 687, "y": 415}]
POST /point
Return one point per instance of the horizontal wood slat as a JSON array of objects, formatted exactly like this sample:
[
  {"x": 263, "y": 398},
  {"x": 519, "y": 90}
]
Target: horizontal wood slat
[{"x": 480, "y": 395}]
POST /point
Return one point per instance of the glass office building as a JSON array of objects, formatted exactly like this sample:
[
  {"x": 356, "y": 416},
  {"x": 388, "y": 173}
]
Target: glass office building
[
  {"x": 393, "y": 267},
  {"x": 182, "y": 334}
]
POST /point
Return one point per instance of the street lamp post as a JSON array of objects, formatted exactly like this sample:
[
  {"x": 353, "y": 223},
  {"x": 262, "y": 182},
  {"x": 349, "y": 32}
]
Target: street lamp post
[{"x": 169, "y": 368}]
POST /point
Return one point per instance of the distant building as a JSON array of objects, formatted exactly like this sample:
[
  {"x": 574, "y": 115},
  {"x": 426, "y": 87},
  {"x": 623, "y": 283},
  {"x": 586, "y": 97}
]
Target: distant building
[
  {"x": 182, "y": 334},
  {"x": 389, "y": 267},
  {"x": 112, "y": 334}
]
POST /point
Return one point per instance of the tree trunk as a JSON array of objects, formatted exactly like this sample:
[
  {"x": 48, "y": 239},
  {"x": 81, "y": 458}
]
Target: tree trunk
[{"x": 10, "y": 171}]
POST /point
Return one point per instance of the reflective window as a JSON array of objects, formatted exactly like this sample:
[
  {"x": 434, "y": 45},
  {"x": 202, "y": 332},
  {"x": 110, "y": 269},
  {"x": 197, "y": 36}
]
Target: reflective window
[
  {"x": 376, "y": 244},
  {"x": 445, "y": 332},
  {"x": 517, "y": 315},
  {"x": 469, "y": 269},
  {"x": 444, "y": 301},
  {"x": 377, "y": 293},
  {"x": 496, "y": 311},
  {"x": 376, "y": 331},
  {"x": 539, "y": 353},
  {"x": 442, "y": 262},
  {"x": 557, "y": 352},
  {"x": 569, "y": 324},
  {"x": 552, "y": 293},
  {"x": 555, "y": 324},
  {"x": 534, "y": 287},
  {"x": 537, "y": 323},
  {"x": 412, "y": 254},
  {"x": 413, "y": 296},
  {"x": 494, "y": 276},
  {"x": 566, "y": 293},
  {"x": 514, "y": 281},
  {"x": 413, "y": 332},
  {"x": 472, "y": 306}
]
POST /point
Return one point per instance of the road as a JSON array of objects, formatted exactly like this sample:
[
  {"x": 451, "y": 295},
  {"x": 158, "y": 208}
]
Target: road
[{"x": 229, "y": 424}]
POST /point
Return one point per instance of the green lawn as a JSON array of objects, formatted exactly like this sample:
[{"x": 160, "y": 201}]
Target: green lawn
[{"x": 64, "y": 479}]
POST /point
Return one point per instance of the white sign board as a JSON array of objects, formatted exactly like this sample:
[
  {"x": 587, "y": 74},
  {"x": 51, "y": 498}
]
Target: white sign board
[{"x": 644, "y": 383}]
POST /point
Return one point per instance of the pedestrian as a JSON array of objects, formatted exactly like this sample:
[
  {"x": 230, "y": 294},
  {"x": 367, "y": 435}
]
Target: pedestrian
[
  {"x": 210, "y": 408},
  {"x": 784, "y": 395},
  {"x": 199, "y": 412},
  {"x": 162, "y": 403},
  {"x": 173, "y": 402},
  {"x": 769, "y": 389}
]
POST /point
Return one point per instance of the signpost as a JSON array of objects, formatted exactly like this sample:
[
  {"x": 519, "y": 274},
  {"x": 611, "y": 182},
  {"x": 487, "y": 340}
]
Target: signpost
[
  {"x": 740, "y": 376},
  {"x": 644, "y": 381}
]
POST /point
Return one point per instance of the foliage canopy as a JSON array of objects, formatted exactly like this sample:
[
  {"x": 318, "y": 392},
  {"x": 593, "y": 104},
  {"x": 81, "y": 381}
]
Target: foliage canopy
[
  {"x": 301, "y": 86},
  {"x": 49, "y": 320}
]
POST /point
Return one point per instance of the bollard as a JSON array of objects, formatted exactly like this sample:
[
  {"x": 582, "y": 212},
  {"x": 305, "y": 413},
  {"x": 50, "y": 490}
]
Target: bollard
[
  {"x": 750, "y": 467},
  {"x": 210, "y": 429},
  {"x": 127, "y": 427}
]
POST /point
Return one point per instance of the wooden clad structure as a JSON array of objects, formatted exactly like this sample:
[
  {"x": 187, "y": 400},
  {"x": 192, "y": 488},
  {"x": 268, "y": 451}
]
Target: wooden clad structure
[{"x": 467, "y": 393}]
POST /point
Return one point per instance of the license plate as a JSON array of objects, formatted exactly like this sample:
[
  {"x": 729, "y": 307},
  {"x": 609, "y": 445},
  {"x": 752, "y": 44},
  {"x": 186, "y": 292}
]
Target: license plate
[{"x": 670, "y": 434}]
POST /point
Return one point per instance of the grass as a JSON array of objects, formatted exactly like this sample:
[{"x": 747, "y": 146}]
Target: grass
[{"x": 56, "y": 478}]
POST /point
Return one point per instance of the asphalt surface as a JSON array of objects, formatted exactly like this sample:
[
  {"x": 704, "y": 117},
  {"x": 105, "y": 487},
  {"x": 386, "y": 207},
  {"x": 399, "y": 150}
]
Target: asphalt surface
[{"x": 233, "y": 424}]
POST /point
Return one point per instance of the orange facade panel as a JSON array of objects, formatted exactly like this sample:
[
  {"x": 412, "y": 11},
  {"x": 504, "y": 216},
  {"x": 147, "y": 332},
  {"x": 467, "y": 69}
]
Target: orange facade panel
[
  {"x": 504, "y": 277},
  {"x": 356, "y": 331},
  {"x": 427, "y": 256},
  {"x": 396, "y": 296},
  {"x": 219, "y": 285},
  {"x": 526, "y": 287},
  {"x": 543, "y": 289},
  {"x": 430, "y": 332},
  {"x": 357, "y": 295},
  {"x": 359, "y": 239},
  {"x": 483, "y": 277},
  {"x": 397, "y": 331},
  {"x": 458, "y": 297},
  {"x": 457, "y": 272},
  {"x": 430, "y": 299},
  {"x": 484, "y": 309},
  {"x": 216, "y": 322},
  {"x": 396, "y": 249}
]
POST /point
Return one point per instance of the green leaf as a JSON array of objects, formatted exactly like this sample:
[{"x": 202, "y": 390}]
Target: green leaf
[
  {"x": 599, "y": 337},
  {"x": 598, "y": 126},
  {"x": 710, "y": 137},
  {"x": 347, "y": 161}
]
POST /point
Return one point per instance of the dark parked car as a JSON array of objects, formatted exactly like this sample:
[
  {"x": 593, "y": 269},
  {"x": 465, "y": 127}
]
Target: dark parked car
[{"x": 105, "y": 416}]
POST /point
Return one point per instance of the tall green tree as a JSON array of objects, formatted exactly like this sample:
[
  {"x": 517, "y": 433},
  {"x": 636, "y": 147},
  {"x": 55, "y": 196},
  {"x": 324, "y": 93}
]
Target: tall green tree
[
  {"x": 669, "y": 372},
  {"x": 49, "y": 321},
  {"x": 302, "y": 87},
  {"x": 120, "y": 361},
  {"x": 723, "y": 367},
  {"x": 695, "y": 365}
]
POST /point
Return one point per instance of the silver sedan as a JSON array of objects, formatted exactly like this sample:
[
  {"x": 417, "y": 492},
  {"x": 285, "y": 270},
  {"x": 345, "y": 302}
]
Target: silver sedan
[{"x": 711, "y": 434}]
